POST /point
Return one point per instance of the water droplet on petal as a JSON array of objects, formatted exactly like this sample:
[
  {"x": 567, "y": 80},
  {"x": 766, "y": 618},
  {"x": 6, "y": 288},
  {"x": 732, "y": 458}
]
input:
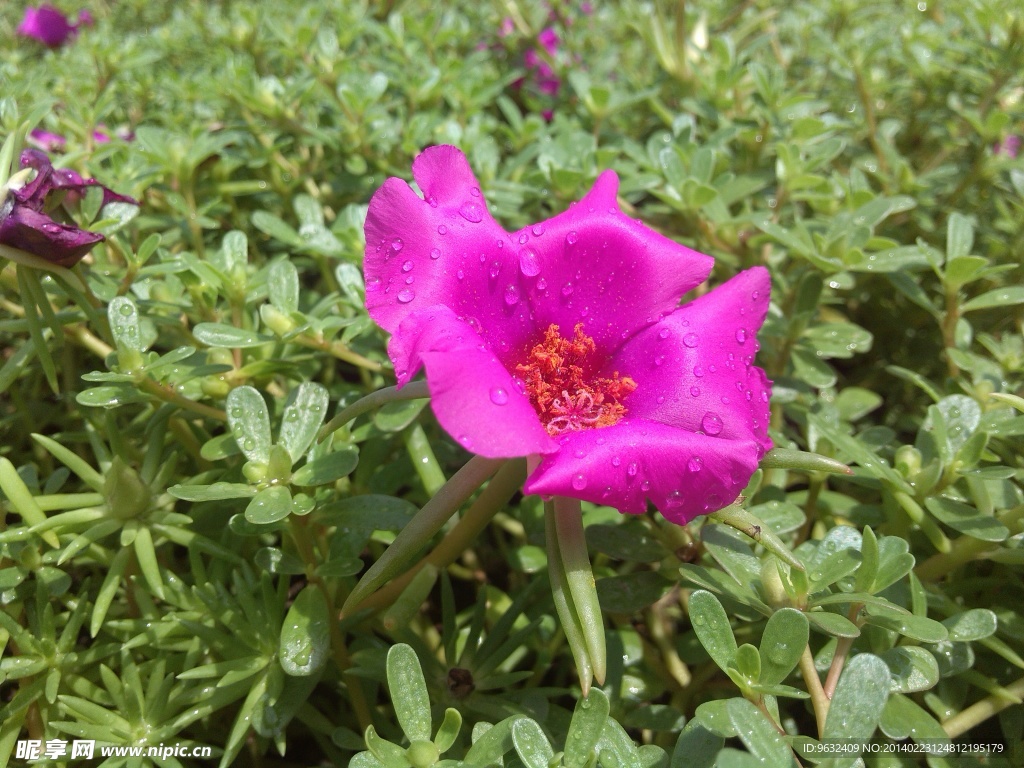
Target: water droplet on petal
[
  {"x": 537, "y": 229},
  {"x": 406, "y": 295},
  {"x": 435, "y": 253},
  {"x": 572, "y": 238},
  {"x": 645, "y": 485},
  {"x": 529, "y": 264},
  {"x": 674, "y": 500},
  {"x": 711, "y": 423},
  {"x": 695, "y": 464},
  {"x": 690, "y": 340},
  {"x": 407, "y": 266},
  {"x": 373, "y": 285},
  {"x": 659, "y": 360},
  {"x": 474, "y": 191},
  {"x": 695, "y": 391},
  {"x": 754, "y": 295},
  {"x": 567, "y": 289},
  {"x": 725, "y": 399},
  {"x": 471, "y": 212},
  {"x": 663, "y": 333},
  {"x": 542, "y": 284},
  {"x": 511, "y": 295},
  {"x": 460, "y": 274},
  {"x": 432, "y": 202},
  {"x": 397, "y": 244},
  {"x": 616, "y": 461},
  {"x": 741, "y": 335},
  {"x": 698, "y": 371},
  {"x": 495, "y": 269},
  {"x": 579, "y": 482},
  {"x": 499, "y": 396},
  {"x": 524, "y": 239},
  {"x": 764, "y": 397},
  {"x": 632, "y": 469},
  {"x": 442, "y": 229}
]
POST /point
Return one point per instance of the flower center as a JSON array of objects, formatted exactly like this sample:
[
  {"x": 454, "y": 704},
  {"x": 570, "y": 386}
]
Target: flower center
[{"x": 565, "y": 397}]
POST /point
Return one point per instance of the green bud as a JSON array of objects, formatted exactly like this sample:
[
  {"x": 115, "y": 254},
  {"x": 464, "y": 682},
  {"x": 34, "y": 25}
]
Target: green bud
[
  {"x": 422, "y": 754},
  {"x": 908, "y": 461},
  {"x": 277, "y": 321},
  {"x": 126, "y": 494}
]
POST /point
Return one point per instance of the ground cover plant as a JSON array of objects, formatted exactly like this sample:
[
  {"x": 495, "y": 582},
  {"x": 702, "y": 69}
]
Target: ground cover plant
[{"x": 222, "y": 526}]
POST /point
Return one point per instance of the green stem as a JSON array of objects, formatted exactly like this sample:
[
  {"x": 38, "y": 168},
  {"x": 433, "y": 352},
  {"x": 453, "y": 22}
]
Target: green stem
[
  {"x": 493, "y": 499},
  {"x": 422, "y": 527},
  {"x": 819, "y": 700},
  {"x": 575, "y": 565},
  {"x": 843, "y": 646},
  {"x": 563, "y": 602},
  {"x": 981, "y": 711},
  {"x": 415, "y": 390}
]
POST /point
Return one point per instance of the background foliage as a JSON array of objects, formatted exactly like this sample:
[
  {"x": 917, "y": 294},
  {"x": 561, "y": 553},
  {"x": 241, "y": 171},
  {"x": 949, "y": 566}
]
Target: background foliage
[{"x": 174, "y": 543}]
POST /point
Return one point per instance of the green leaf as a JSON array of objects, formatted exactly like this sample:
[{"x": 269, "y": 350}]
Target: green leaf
[
  {"x": 711, "y": 624},
  {"x": 274, "y": 560},
  {"x": 959, "y": 236},
  {"x": 396, "y": 416},
  {"x": 758, "y": 734},
  {"x": 696, "y": 747},
  {"x": 110, "y": 396},
  {"x": 409, "y": 692},
  {"x": 905, "y": 623},
  {"x": 786, "y": 458},
  {"x": 1000, "y": 297},
  {"x": 531, "y": 744},
  {"x": 249, "y": 420},
  {"x": 747, "y": 662},
  {"x": 782, "y": 643},
  {"x": 302, "y": 418},
  {"x": 449, "y": 730},
  {"x": 832, "y": 624},
  {"x": 629, "y": 541},
  {"x": 973, "y": 624},
  {"x": 269, "y": 505},
  {"x": 372, "y": 512},
  {"x": 868, "y": 569},
  {"x": 124, "y": 323},
  {"x": 967, "y": 520},
  {"x": 859, "y": 700},
  {"x": 305, "y": 635},
  {"x": 326, "y": 469},
  {"x": 913, "y": 669},
  {"x": 283, "y": 286},
  {"x": 588, "y": 720},
  {"x": 902, "y": 718},
  {"x": 835, "y": 557},
  {"x": 228, "y": 336},
  {"x": 215, "y": 492},
  {"x": 894, "y": 562},
  {"x": 747, "y": 523}
]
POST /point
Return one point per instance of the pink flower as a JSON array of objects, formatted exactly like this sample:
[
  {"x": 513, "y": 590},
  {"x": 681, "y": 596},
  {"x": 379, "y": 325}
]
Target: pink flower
[
  {"x": 26, "y": 222},
  {"x": 565, "y": 341},
  {"x": 1009, "y": 146},
  {"x": 47, "y": 25}
]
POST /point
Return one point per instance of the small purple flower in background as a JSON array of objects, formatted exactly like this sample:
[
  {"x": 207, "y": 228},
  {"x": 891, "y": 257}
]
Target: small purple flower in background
[
  {"x": 544, "y": 76},
  {"x": 49, "y": 26},
  {"x": 26, "y": 222},
  {"x": 565, "y": 341},
  {"x": 46, "y": 141},
  {"x": 1009, "y": 146}
]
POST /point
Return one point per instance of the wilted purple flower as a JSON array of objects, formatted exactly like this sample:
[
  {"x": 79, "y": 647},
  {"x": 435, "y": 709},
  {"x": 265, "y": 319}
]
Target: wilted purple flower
[
  {"x": 565, "y": 340},
  {"x": 25, "y": 220},
  {"x": 47, "y": 25}
]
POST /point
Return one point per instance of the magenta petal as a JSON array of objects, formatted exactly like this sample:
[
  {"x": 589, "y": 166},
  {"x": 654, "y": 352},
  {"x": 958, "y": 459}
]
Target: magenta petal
[
  {"x": 694, "y": 369},
  {"x": 472, "y": 393},
  {"x": 598, "y": 267},
  {"x": 684, "y": 474},
  {"x": 38, "y": 234},
  {"x": 47, "y": 25}
]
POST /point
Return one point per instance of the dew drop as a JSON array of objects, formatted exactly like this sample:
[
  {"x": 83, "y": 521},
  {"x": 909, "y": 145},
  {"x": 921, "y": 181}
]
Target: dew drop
[
  {"x": 407, "y": 266},
  {"x": 741, "y": 335},
  {"x": 572, "y": 238},
  {"x": 690, "y": 340},
  {"x": 474, "y": 191},
  {"x": 499, "y": 396},
  {"x": 663, "y": 333},
  {"x": 698, "y": 371},
  {"x": 754, "y": 295},
  {"x": 542, "y": 284},
  {"x": 537, "y": 229},
  {"x": 126, "y": 310},
  {"x": 442, "y": 229},
  {"x": 495, "y": 268},
  {"x": 406, "y": 295},
  {"x": 524, "y": 239},
  {"x": 695, "y": 391},
  {"x": 674, "y": 500},
  {"x": 511, "y": 295},
  {"x": 435, "y": 253},
  {"x": 373, "y": 285},
  {"x": 632, "y": 469},
  {"x": 616, "y": 461},
  {"x": 567, "y": 289},
  {"x": 661, "y": 399},
  {"x": 397, "y": 244},
  {"x": 460, "y": 274},
  {"x": 711, "y": 423},
  {"x": 764, "y": 397},
  {"x": 645, "y": 485},
  {"x": 725, "y": 399},
  {"x": 471, "y": 212},
  {"x": 695, "y": 464},
  {"x": 519, "y": 384},
  {"x": 432, "y": 201},
  {"x": 579, "y": 482},
  {"x": 529, "y": 264}
]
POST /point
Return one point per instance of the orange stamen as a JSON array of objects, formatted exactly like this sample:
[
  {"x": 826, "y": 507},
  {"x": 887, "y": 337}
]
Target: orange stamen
[{"x": 560, "y": 391}]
